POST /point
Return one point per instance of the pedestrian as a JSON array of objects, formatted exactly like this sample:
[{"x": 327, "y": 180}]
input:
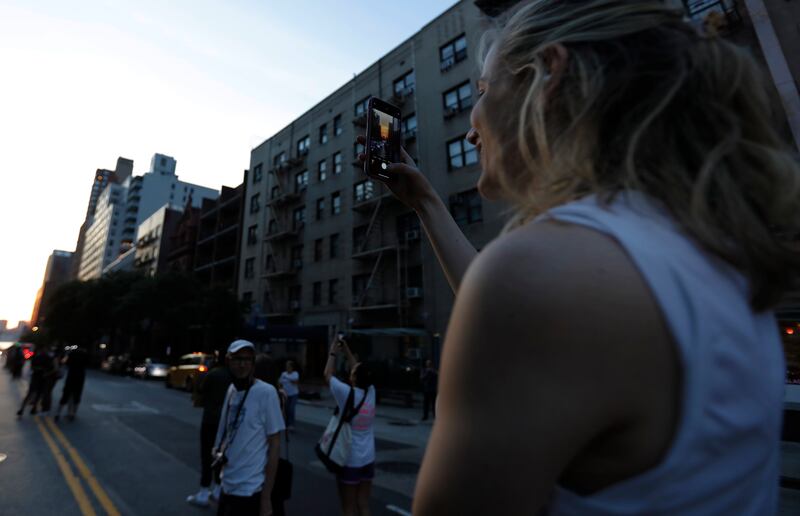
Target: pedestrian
[
  {"x": 210, "y": 394},
  {"x": 40, "y": 367},
  {"x": 247, "y": 445},
  {"x": 266, "y": 371},
  {"x": 430, "y": 381},
  {"x": 354, "y": 481},
  {"x": 51, "y": 376},
  {"x": 76, "y": 362},
  {"x": 290, "y": 380},
  {"x": 654, "y": 207}
]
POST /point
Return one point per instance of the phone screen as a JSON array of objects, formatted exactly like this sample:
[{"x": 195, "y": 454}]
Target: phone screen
[{"x": 383, "y": 137}]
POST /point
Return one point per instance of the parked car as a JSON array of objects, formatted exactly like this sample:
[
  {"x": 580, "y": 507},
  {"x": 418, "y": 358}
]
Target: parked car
[
  {"x": 188, "y": 371},
  {"x": 151, "y": 368}
]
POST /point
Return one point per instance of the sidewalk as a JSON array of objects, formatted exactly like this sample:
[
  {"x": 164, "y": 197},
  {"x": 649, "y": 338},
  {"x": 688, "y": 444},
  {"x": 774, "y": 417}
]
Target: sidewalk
[{"x": 400, "y": 440}]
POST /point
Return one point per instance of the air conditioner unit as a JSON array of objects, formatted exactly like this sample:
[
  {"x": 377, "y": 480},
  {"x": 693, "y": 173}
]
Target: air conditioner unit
[
  {"x": 413, "y": 292},
  {"x": 294, "y": 305},
  {"x": 412, "y": 235}
]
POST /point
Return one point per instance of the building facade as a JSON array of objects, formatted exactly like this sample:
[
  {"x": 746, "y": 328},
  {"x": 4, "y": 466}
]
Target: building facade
[
  {"x": 102, "y": 178},
  {"x": 56, "y": 273},
  {"x": 324, "y": 246},
  {"x": 152, "y": 245},
  {"x": 103, "y": 237},
  {"x": 149, "y": 192},
  {"x": 218, "y": 243}
]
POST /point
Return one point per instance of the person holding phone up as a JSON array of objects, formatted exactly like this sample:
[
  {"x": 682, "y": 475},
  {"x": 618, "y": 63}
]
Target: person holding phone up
[
  {"x": 628, "y": 302},
  {"x": 355, "y": 479}
]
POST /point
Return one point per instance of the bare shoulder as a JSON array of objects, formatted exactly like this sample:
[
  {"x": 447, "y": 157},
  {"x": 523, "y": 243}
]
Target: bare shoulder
[{"x": 571, "y": 295}]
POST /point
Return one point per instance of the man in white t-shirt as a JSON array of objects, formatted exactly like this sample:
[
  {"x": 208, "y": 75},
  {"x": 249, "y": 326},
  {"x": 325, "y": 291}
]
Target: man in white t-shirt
[
  {"x": 290, "y": 381},
  {"x": 248, "y": 438}
]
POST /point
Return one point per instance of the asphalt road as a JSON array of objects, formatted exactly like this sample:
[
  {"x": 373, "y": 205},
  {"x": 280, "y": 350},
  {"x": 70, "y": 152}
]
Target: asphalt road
[{"x": 134, "y": 450}]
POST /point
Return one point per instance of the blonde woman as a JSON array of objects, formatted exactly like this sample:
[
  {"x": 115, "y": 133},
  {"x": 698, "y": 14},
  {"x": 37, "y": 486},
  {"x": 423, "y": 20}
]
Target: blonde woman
[{"x": 628, "y": 301}]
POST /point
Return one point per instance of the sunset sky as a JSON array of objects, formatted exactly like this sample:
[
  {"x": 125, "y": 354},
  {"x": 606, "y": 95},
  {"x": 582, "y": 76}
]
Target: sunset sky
[{"x": 85, "y": 82}]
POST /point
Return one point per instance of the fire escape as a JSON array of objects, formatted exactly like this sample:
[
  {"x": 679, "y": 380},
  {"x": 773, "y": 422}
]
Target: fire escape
[
  {"x": 286, "y": 219},
  {"x": 381, "y": 250}
]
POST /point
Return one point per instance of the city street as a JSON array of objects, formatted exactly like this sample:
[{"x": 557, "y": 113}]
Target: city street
[{"x": 134, "y": 450}]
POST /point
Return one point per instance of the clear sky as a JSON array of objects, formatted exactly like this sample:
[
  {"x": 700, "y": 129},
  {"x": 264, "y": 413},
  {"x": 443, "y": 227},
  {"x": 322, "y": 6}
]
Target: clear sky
[{"x": 84, "y": 82}]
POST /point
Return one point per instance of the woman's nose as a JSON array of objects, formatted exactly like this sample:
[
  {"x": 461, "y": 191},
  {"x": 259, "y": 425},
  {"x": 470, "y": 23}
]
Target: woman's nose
[{"x": 472, "y": 136}]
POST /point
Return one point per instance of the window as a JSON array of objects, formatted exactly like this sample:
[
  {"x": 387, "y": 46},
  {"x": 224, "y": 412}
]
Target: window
[
  {"x": 337, "y": 125},
  {"x": 254, "y": 203},
  {"x": 337, "y": 163},
  {"x": 404, "y": 86},
  {"x": 275, "y": 192},
  {"x": 248, "y": 267},
  {"x": 323, "y": 133},
  {"x": 303, "y": 145},
  {"x": 361, "y": 106},
  {"x": 453, "y": 52},
  {"x": 333, "y": 286},
  {"x": 336, "y": 203},
  {"x": 409, "y": 125},
  {"x": 279, "y": 160},
  {"x": 334, "y": 245},
  {"x": 363, "y": 191},
  {"x": 359, "y": 238},
  {"x": 317, "y": 294},
  {"x": 320, "y": 208},
  {"x": 297, "y": 257},
  {"x": 295, "y": 294},
  {"x": 257, "y": 173},
  {"x": 322, "y": 170},
  {"x": 466, "y": 207},
  {"x": 301, "y": 181},
  {"x": 357, "y": 148},
  {"x": 298, "y": 217},
  {"x": 273, "y": 227},
  {"x": 317, "y": 249},
  {"x": 252, "y": 235},
  {"x": 457, "y": 99},
  {"x": 460, "y": 153}
]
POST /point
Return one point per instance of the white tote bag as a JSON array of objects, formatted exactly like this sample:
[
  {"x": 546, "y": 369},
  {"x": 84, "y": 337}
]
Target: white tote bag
[{"x": 333, "y": 448}]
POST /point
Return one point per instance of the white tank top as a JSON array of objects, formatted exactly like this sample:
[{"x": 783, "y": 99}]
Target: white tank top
[{"x": 725, "y": 455}]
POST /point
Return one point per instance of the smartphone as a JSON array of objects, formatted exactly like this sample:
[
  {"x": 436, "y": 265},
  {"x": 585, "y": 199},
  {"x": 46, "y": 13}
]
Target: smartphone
[{"x": 383, "y": 138}]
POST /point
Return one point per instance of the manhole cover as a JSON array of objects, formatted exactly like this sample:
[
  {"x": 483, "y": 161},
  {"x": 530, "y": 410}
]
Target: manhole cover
[
  {"x": 399, "y": 422},
  {"x": 398, "y": 467},
  {"x": 3, "y": 457}
]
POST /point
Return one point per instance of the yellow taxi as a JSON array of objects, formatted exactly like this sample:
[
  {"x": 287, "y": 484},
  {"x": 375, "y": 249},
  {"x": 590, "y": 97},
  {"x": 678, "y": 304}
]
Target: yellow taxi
[{"x": 188, "y": 371}]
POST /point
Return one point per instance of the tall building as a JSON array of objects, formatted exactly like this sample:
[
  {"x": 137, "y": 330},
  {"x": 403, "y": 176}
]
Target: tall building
[
  {"x": 149, "y": 192},
  {"x": 101, "y": 242},
  {"x": 56, "y": 273},
  {"x": 152, "y": 246},
  {"x": 123, "y": 205},
  {"x": 323, "y": 245},
  {"x": 102, "y": 178}
]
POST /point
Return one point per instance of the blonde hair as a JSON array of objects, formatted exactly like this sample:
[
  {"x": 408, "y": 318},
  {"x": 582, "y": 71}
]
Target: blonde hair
[{"x": 646, "y": 103}]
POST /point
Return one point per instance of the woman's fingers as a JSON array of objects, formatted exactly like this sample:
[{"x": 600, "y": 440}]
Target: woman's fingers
[{"x": 407, "y": 159}]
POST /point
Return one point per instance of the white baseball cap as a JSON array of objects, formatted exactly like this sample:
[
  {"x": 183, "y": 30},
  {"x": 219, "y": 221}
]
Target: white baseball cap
[{"x": 238, "y": 345}]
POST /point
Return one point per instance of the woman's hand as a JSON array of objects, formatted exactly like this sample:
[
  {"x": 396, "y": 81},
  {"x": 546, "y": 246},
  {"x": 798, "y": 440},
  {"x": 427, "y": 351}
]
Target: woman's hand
[{"x": 406, "y": 182}]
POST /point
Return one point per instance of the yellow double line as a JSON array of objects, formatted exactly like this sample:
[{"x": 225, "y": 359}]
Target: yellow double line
[{"x": 73, "y": 481}]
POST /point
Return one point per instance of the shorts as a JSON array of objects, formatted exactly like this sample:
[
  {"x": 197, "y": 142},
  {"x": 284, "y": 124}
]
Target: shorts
[{"x": 354, "y": 476}]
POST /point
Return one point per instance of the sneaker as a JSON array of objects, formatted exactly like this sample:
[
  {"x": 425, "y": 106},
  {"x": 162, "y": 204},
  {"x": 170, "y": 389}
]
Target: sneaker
[{"x": 199, "y": 499}]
